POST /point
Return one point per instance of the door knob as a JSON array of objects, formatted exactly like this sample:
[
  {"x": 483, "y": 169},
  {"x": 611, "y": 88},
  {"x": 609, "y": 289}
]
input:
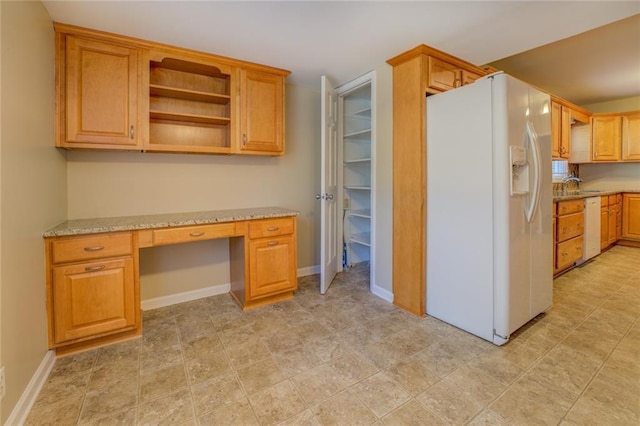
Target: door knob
[
  {"x": 329, "y": 196},
  {"x": 319, "y": 197}
]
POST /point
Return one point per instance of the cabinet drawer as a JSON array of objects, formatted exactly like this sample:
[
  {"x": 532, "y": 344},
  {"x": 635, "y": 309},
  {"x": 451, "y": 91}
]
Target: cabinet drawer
[
  {"x": 570, "y": 206},
  {"x": 570, "y": 226},
  {"x": 91, "y": 247},
  {"x": 568, "y": 252},
  {"x": 187, "y": 234},
  {"x": 271, "y": 227}
]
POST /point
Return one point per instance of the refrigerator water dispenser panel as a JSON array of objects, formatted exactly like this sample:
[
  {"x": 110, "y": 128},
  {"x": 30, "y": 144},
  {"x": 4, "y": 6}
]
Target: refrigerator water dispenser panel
[{"x": 519, "y": 170}]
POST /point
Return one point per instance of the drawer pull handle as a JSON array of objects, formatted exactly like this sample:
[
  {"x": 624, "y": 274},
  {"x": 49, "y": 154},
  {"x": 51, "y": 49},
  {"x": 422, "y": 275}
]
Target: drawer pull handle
[
  {"x": 273, "y": 228},
  {"x": 94, "y": 268},
  {"x": 272, "y": 243},
  {"x": 94, "y": 248},
  {"x": 197, "y": 234}
]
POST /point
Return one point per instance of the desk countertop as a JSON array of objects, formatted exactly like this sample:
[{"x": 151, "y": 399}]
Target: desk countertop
[{"x": 131, "y": 223}]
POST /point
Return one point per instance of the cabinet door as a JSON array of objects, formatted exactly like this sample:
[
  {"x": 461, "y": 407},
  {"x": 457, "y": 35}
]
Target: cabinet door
[
  {"x": 606, "y": 138},
  {"x": 604, "y": 228},
  {"x": 261, "y": 113},
  {"x": 631, "y": 137},
  {"x": 272, "y": 266},
  {"x": 631, "y": 216},
  {"x": 101, "y": 94},
  {"x": 469, "y": 77},
  {"x": 612, "y": 224},
  {"x": 565, "y": 133},
  {"x": 92, "y": 299},
  {"x": 556, "y": 129},
  {"x": 442, "y": 75}
]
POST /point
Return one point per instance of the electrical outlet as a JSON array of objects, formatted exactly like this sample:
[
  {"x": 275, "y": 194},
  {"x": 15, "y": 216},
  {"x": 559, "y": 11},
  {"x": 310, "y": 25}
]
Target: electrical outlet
[
  {"x": 345, "y": 204},
  {"x": 3, "y": 385}
]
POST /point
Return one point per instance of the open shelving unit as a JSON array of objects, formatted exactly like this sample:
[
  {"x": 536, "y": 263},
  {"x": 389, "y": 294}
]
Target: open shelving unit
[
  {"x": 356, "y": 138},
  {"x": 189, "y": 107}
]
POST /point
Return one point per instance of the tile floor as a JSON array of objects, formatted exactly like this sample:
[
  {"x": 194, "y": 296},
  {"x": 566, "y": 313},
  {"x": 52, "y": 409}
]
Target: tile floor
[{"x": 350, "y": 358}]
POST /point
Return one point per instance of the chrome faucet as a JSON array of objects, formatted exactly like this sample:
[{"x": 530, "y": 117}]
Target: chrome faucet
[{"x": 568, "y": 179}]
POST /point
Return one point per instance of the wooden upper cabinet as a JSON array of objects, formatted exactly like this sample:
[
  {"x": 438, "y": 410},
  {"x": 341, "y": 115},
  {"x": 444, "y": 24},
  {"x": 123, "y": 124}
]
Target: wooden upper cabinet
[
  {"x": 606, "y": 137},
  {"x": 261, "y": 113},
  {"x": 631, "y": 137},
  {"x": 99, "y": 89},
  {"x": 117, "y": 92},
  {"x": 443, "y": 76},
  {"x": 556, "y": 129}
]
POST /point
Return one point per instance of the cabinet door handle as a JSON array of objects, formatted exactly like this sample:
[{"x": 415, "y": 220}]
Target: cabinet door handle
[
  {"x": 94, "y": 268},
  {"x": 272, "y": 243},
  {"x": 94, "y": 248},
  {"x": 273, "y": 228},
  {"x": 196, "y": 234},
  {"x": 131, "y": 132}
]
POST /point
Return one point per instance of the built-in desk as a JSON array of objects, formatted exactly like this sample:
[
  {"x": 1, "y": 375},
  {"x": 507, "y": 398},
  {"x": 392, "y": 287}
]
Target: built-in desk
[{"x": 93, "y": 278}]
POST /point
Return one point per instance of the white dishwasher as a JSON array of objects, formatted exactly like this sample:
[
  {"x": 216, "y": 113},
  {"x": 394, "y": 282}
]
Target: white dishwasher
[{"x": 591, "y": 228}]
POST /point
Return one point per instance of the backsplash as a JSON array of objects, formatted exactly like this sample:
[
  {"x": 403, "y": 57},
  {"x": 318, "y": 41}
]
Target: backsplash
[{"x": 574, "y": 170}]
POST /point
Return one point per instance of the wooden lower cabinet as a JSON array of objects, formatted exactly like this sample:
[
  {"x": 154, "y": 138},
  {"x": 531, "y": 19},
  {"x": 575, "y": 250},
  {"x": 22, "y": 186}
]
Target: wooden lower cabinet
[
  {"x": 92, "y": 290},
  {"x": 610, "y": 220},
  {"x": 91, "y": 299},
  {"x": 271, "y": 268},
  {"x": 631, "y": 217},
  {"x": 568, "y": 233}
]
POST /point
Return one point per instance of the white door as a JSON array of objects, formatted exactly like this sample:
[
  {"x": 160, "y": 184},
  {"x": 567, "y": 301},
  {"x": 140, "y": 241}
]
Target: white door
[{"x": 328, "y": 187}]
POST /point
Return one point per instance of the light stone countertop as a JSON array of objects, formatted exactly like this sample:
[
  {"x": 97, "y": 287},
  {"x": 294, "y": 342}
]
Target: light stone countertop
[
  {"x": 586, "y": 193},
  {"x": 130, "y": 223}
]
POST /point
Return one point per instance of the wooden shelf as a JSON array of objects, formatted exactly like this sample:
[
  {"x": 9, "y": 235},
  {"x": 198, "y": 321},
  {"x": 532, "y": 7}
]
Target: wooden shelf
[
  {"x": 188, "y": 118},
  {"x": 364, "y": 113},
  {"x": 190, "y": 95},
  {"x": 359, "y": 188}
]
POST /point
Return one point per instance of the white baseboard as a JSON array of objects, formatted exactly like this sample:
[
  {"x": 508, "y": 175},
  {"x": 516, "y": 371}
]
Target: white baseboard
[
  {"x": 309, "y": 270},
  {"x": 187, "y": 296},
  {"x": 382, "y": 293},
  {"x": 20, "y": 412}
]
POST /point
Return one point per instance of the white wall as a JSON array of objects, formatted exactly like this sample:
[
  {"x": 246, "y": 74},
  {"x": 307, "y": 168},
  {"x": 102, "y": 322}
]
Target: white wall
[
  {"x": 103, "y": 184},
  {"x": 32, "y": 191},
  {"x": 384, "y": 179}
]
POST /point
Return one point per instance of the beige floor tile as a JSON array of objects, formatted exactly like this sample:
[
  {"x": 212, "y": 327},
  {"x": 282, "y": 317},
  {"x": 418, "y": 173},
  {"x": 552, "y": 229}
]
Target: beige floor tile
[
  {"x": 105, "y": 402},
  {"x": 73, "y": 364},
  {"x": 475, "y": 384},
  {"x": 207, "y": 366},
  {"x": 276, "y": 403},
  {"x": 305, "y": 418},
  {"x": 212, "y": 393},
  {"x": 604, "y": 403},
  {"x": 413, "y": 375},
  {"x": 247, "y": 353},
  {"x": 449, "y": 404},
  {"x": 200, "y": 346},
  {"x": 328, "y": 348},
  {"x": 529, "y": 402},
  {"x": 259, "y": 375},
  {"x": 62, "y": 387},
  {"x": 156, "y": 383},
  {"x": 353, "y": 367},
  {"x": 62, "y": 412},
  {"x": 438, "y": 360},
  {"x": 170, "y": 409},
  {"x": 296, "y": 360},
  {"x": 237, "y": 413},
  {"x": 318, "y": 384},
  {"x": 412, "y": 413},
  {"x": 344, "y": 409},
  {"x": 122, "y": 418},
  {"x": 380, "y": 394},
  {"x": 109, "y": 375},
  {"x": 160, "y": 357},
  {"x": 488, "y": 418}
]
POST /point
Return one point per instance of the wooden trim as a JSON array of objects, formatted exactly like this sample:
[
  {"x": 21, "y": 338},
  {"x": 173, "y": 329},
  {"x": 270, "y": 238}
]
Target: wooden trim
[
  {"x": 577, "y": 112},
  {"x": 423, "y": 49},
  {"x": 146, "y": 44},
  {"x": 409, "y": 185}
]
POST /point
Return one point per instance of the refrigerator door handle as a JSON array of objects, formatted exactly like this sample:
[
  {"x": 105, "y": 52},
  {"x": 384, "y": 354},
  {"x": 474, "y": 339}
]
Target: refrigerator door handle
[{"x": 535, "y": 151}]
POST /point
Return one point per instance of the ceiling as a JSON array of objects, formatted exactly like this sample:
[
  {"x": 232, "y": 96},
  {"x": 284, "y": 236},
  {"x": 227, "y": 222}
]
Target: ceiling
[{"x": 345, "y": 39}]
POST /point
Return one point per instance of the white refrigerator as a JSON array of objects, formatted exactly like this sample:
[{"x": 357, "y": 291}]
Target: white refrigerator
[{"x": 489, "y": 202}]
